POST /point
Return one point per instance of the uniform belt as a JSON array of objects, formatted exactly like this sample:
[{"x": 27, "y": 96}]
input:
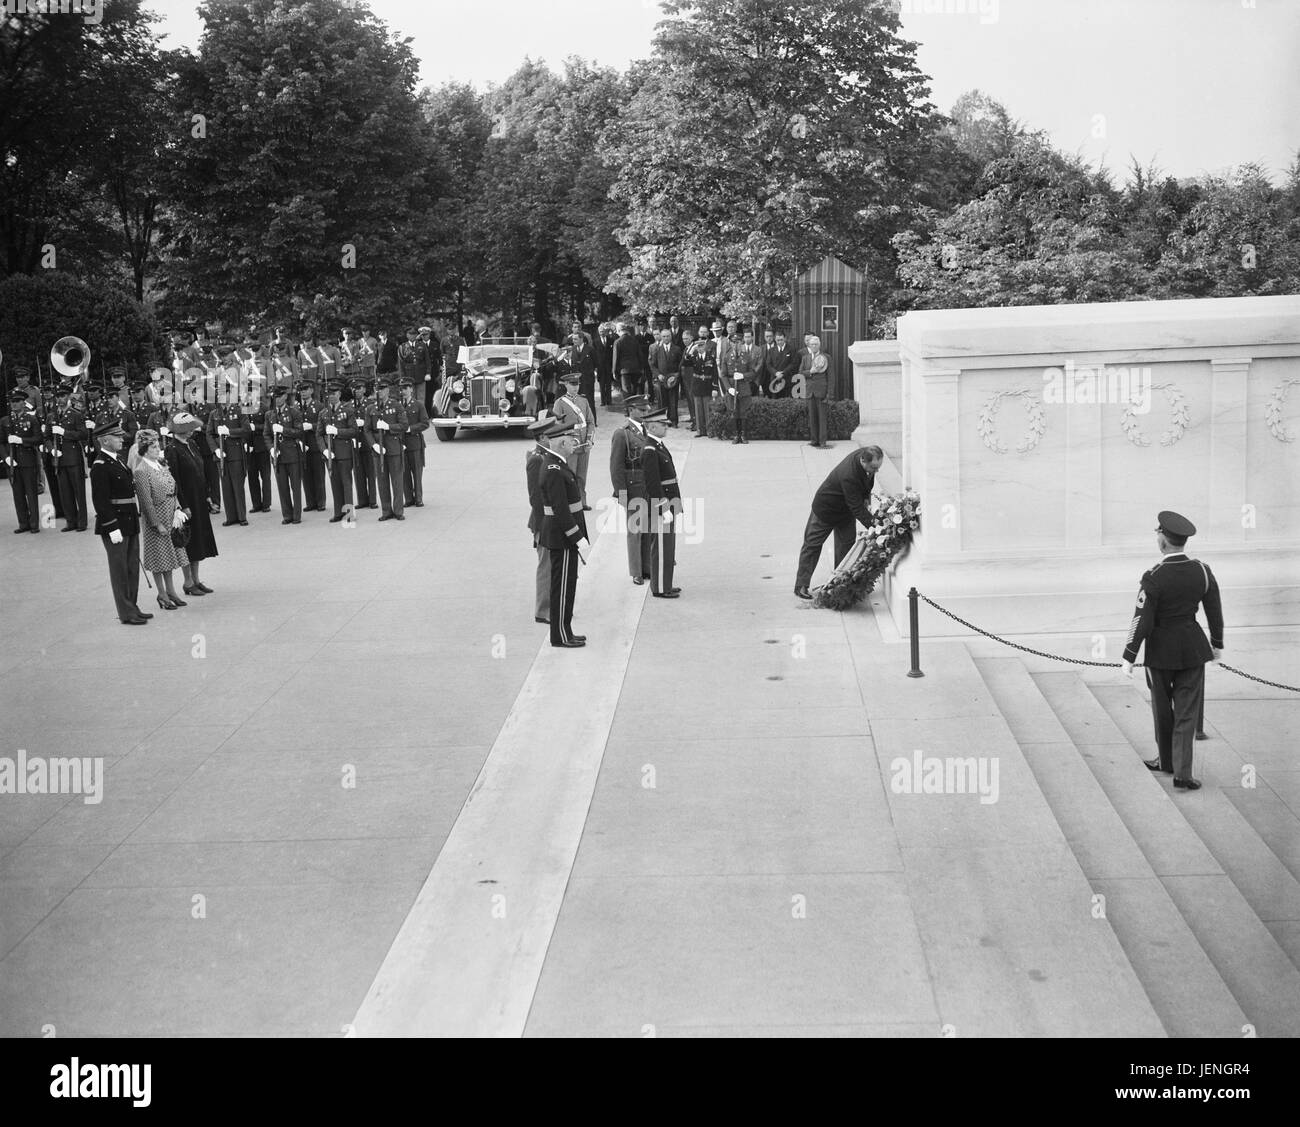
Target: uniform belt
[{"x": 122, "y": 501}]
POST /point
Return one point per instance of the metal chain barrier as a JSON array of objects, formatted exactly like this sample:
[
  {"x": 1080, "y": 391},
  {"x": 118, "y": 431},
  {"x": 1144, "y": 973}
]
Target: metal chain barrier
[{"x": 1080, "y": 661}]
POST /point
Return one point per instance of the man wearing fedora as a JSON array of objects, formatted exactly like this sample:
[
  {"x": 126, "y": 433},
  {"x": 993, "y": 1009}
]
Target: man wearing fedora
[{"x": 1176, "y": 647}]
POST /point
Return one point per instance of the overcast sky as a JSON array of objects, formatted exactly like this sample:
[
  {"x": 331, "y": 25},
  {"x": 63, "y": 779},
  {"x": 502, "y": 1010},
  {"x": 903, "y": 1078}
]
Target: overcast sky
[{"x": 1194, "y": 85}]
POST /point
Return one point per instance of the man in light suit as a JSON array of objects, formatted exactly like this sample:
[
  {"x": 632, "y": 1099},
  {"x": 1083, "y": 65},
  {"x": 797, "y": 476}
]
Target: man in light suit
[
  {"x": 574, "y": 408},
  {"x": 815, "y": 372}
]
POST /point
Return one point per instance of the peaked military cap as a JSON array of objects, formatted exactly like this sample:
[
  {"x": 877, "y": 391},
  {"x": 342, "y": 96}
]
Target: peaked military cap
[{"x": 1176, "y": 525}]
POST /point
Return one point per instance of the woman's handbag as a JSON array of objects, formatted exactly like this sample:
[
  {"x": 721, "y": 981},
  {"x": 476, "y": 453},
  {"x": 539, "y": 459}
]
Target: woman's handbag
[{"x": 180, "y": 531}]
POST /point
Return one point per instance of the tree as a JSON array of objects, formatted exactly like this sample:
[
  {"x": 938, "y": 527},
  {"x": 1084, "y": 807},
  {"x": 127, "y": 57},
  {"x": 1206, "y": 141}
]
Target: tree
[
  {"x": 306, "y": 184},
  {"x": 766, "y": 133}
]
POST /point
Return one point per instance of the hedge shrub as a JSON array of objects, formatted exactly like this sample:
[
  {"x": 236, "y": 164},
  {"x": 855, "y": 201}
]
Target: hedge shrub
[{"x": 785, "y": 418}]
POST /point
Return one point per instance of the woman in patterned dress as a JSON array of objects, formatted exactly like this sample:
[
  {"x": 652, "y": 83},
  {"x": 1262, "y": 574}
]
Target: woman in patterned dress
[{"x": 155, "y": 489}]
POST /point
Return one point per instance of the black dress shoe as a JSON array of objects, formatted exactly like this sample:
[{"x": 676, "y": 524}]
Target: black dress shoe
[
  {"x": 544, "y": 621},
  {"x": 69, "y": 528},
  {"x": 1188, "y": 784},
  {"x": 228, "y": 523},
  {"x": 142, "y": 613},
  {"x": 244, "y": 523},
  {"x": 586, "y": 508},
  {"x": 373, "y": 505},
  {"x": 1202, "y": 736},
  {"x": 417, "y": 504},
  {"x": 386, "y": 516},
  {"x": 802, "y": 592},
  {"x": 666, "y": 594},
  {"x": 638, "y": 580},
  {"x": 674, "y": 590},
  {"x": 573, "y": 645},
  {"x": 18, "y": 530},
  {"x": 135, "y": 622},
  {"x": 1154, "y": 765},
  {"x": 580, "y": 637},
  {"x": 286, "y": 521},
  {"x": 335, "y": 520},
  {"x": 398, "y": 516}
]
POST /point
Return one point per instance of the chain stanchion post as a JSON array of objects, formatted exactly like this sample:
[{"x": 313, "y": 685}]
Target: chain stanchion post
[{"x": 913, "y": 619}]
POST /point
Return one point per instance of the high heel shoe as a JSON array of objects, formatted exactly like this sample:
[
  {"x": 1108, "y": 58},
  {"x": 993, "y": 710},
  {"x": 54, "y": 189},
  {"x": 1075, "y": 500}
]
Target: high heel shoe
[
  {"x": 194, "y": 589},
  {"x": 178, "y": 602},
  {"x": 203, "y": 587},
  {"x": 165, "y": 604}
]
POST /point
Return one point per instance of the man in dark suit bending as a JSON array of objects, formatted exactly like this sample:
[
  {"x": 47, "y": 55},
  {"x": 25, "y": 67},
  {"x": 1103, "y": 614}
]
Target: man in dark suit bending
[{"x": 843, "y": 498}]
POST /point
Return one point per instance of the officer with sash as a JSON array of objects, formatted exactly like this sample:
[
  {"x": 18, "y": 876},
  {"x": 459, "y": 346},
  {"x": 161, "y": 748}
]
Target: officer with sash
[
  {"x": 573, "y": 407},
  {"x": 1176, "y": 646}
]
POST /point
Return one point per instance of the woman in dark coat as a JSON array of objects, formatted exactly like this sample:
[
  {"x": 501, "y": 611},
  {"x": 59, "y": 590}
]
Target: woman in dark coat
[{"x": 186, "y": 465}]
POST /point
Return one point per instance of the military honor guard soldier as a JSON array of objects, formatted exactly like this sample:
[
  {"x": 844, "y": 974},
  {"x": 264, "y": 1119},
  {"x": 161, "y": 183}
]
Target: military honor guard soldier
[
  {"x": 313, "y": 466},
  {"x": 67, "y": 431},
  {"x": 385, "y": 428},
  {"x": 625, "y": 470},
  {"x": 417, "y": 422},
  {"x": 337, "y": 430},
  {"x": 363, "y": 460},
  {"x": 534, "y": 460},
  {"x": 1176, "y": 647},
  {"x": 664, "y": 497},
  {"x": 574, "y": 407},
  {"x": 23, "y": 435},
  {"x": 259, "y": 461},
  {"x": 563, "y": 527},
  {"x": 117, "y": 522},
  {"x": 229, "y": 432},
  {"x": 284, "y": 434}
]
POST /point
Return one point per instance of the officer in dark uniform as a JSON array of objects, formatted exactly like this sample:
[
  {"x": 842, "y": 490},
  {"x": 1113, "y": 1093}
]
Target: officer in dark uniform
[
  {"x": 259, "y": 457},
  {"x": 363, "y": 462},
  {"x": 625, "y": 450},
  {"x": 66, "y": 429},
  {"x": 564, "y": 526},
  {"x": 1176, "y": 647},
  {"x": 336, "y": 429},
  {"x": 313, "y": 472},
  {"x": 23, "y": 436},
  {"x": 116, "y": 407},
  {"x": 385, "y": 434},
  {"x": 284, "y": 437},
  {"x": 229, "y": 432},
  {"x": 417, "y": 422},
  {"x": 534, "y": 461},
  {"x": 117, "y": 522},
  {"x": 49, "y": 404},
  {"x": 664, "y": 497}
]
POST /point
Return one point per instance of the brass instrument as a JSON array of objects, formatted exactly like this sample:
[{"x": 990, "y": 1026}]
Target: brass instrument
[{"x": 70, "y": 357}]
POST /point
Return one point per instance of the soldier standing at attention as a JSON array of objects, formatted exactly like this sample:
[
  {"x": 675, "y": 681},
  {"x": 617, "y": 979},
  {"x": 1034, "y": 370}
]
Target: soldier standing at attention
[
  {"x": 228, "y": 432},
  {"x": 417, "y": 422},
  {"x": 313, "y": 469},
  {"x": 259, "y": 458},
  {"x": 117, "y": 522},
  {"x": 67, "y": 431},
  {"x": 385, "y": 430},
  {"x": 363, "y": 459},
  {"x": 665, "y": 499},
  {"x": 337, "y": 431},
  {"x": 572, "y": 407},
  {"x": 534, "y": 461},
  {"x": 283, "y": 434},
  {"x": 23, "y": 435},
  {"x": 1176, "y": 647},
  {"x": 564, "y": 526}
]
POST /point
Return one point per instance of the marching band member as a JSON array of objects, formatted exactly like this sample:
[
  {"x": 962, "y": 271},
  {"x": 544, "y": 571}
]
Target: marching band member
[
  {"x": 336, "y": 429},
  {"x": 417, "y": 422},
  {"x": 384, "y": 430}
]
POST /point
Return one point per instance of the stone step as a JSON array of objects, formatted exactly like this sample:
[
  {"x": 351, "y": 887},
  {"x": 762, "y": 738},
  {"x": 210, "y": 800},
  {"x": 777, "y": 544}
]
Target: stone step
[
  {"x": 1185, "y": 989},
  {"x": 1246, "y": 954},
  {"x": 1247, "y": 856},
  {"x": 1002, "y": 908}
]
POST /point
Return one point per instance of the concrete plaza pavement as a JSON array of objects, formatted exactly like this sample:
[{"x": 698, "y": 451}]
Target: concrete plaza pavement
[{"x": 356, "y": 792}]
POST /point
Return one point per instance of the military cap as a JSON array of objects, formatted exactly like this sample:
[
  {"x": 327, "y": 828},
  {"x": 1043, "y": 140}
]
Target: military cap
[
  {"x": 281, "y": 391},
  {"x": 65, "y": 388},
  {"x": 336, "y": 385},
  {"x": 406, "y": 381},
  {"x": 16, "y": 394},
  {"x": 304, "y": 385},
  {"x": 110, "y": 428},
  {"x": 659, "y": 416},
  {"x": 386, "y": 382},
  {"x": 549, "y": 427},
  {"x": 94, "y": 389},
  {"x": 1176, "y": 525},
  {"x": 424, "y": 329},
  {"x": 21, "y": 371},
  {"x": 138, "y": 383},
  {"x": 357, "y": 383},
  {"x": 636, "y": 406},
  {"x": 571, "y": 376}
]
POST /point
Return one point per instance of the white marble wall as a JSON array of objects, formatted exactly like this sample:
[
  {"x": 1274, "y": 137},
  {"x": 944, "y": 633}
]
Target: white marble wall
[{"x": 1040, "y": 514}]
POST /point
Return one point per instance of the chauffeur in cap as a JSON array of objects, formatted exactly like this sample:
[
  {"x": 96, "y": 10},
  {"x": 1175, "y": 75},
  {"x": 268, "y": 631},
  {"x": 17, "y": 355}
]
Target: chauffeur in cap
[
  {"x": 23, "y": 435},
  {"x": 1176, "y": 647},
  {"x": 117, "y": 522},
  {"x": 563, "y": 527}
]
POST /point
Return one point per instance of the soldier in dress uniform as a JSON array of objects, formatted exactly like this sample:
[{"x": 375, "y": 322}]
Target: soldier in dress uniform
[
  {"x": 534, "y": 460},
  {"x": 282, "y": 361},
  {"x": 417, "y": 422},
  {"x": 313, "y": 470},
  {"x": 625, "y": 450},
  {"x": 284, "y": 430},
  {"x": 350, "y": 356},
  {"x": 94, "y": 400},
  {"x": 336, "y": 428},
  {"x": 413, "y": 364},
  {"x": 1176, "y": 647},
  {"x": 48, "y": 474},
  {"x": 23, "y": 382},
  {"x": 385, "y": 434},
  {"x": 66, "y": 431},
  {"x": 259, "y": 453},
  {"x": 563, "y": 528},
  {"x": 23, "y": 437},
  {"x": 117, "y": 522},
  {"x": 363, "y": 462},
  {"x": 229, "y": 432},
  {"x": 573, "y": 407},
  {"x": 665, "y": 500},
  {"x": 116, "y": 407}
]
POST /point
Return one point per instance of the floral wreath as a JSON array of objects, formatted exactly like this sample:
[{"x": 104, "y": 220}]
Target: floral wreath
[
  {"x": 1273, "y": 412},
  {"x": 988, "y": 422},
  {"x": 1179, "y": 413}
]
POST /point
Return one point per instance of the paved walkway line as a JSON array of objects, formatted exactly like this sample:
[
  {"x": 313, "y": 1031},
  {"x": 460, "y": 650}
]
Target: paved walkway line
[{"x": 467, "y": 959}]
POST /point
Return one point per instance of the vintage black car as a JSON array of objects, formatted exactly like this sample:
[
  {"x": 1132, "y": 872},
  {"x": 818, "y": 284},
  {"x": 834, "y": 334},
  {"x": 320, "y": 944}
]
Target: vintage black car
[{"x": 492, "y": 390}]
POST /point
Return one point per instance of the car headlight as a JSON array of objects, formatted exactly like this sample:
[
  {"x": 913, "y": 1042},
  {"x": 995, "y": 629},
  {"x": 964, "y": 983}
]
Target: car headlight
[
  {"x": 463, "y": 405},
  {"x": 458, "y": 388},
  {"x": 510, "y": 386},
  {"x": 504, "y": 406}
]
